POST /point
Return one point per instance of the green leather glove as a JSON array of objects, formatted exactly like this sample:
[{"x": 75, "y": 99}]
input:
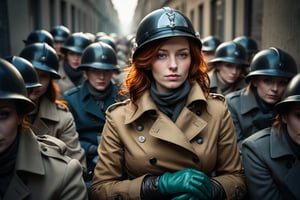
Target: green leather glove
[
  {"x": 185, "y": 196},
  {"x": 189, "y": 181}
]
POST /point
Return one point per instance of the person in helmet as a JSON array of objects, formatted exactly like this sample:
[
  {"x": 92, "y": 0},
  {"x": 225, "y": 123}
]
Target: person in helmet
[
  {"x": 209, "y": 46},
  {"x": 272, "y": 156},
  {"x": 89, "y": 101},
  {"x": 228, "y": 68},
  {"x": 252, "y": 108},
  {"x": 60, "y": 34},
  {"x": 72, "y": 50},
  {"x": 27, "y": 71},
  {"x": 31, "y": 167},
  {"x": 39, "y": 35},
  {"x": 171, "y": 138},
  {"x": 249, "y": 44},
  {"x": 51, "y": 116}
]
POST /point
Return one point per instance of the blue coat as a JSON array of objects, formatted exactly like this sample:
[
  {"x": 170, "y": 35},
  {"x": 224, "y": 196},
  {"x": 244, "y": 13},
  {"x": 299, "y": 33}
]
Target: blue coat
[
  {"x": 272, "y": 169},
  {"x": 89, "y": 118}
]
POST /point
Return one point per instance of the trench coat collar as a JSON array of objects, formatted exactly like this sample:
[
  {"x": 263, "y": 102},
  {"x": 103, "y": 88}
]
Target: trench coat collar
[
  {"x": 145, "y": 103},
  {"x": 29, "y": 158},
  {"x": 48, "y": 110},
  {"x": 248, "y": 101},
  {"x": 279, "y": 145}
]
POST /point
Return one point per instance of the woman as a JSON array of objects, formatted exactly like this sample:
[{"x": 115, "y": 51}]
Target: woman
[
  {"x": 228, "y": 68},
  {"x": 89, "y": 102},
  {"x": 31, "y": 167},
  {"x": 171, "y": 139},
  {"x": 72, "y": 50},
  {"x": 51, "y": 116},
  {"x": 252, "y": 108},
  {"x": 272, "y": 156}
]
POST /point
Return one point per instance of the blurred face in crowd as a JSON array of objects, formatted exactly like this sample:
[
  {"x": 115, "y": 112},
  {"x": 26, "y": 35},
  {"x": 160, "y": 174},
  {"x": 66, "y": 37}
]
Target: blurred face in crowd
[
  {"x": 171, "y": 67},
  {"x": 74, "y": 59},
  {"x": 57, "y": 45},
  {"x": 98, "y": 78},
  {"x": 270, "y": 89},
  {"x": 229, "y": 72},
  {"x": 208, "y": 55},
  {"x": 292, "y": 120},
  {"x": 44, "y": 79},
  {"x": 9, "y": 121}
]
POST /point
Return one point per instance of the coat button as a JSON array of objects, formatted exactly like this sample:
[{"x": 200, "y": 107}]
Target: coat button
[
  {"x": 153, "y": 161},
  {"x": 44, "y": 149},
  {"x": 195, "y": 159},
  {"x": 139, "y": 127},
  {"x": 200, "y": 140},
  {"x": 141, "y": 139},
  {"x": 198, "y": 113}
]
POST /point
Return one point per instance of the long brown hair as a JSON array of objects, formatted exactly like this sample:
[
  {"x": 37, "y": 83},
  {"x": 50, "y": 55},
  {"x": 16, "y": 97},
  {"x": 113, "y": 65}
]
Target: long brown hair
[
  {"x": 139, "y": 77},
  {"x": 53, "y": 92}
]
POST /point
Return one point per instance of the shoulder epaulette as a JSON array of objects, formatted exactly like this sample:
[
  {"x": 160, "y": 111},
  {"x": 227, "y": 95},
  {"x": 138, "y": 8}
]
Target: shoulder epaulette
[
  {"x": 217, "y": 96},
  {"x": 118, "y": 104}
]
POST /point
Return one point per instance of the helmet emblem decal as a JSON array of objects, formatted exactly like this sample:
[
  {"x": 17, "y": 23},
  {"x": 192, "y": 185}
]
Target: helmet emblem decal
[{"x": 171, "y": 16}]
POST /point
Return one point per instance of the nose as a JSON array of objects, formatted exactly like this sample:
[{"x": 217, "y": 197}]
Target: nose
[
  {"x": 274, "y": 86},
  {"x": 173, "y": 63}
]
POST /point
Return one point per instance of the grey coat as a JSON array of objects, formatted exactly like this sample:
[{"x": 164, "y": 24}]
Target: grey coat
[{"x": 272, "y": 169}]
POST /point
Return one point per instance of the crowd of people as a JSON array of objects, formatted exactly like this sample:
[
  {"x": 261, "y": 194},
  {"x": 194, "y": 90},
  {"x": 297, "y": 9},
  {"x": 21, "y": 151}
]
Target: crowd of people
[{"x": 162, "y": 114}]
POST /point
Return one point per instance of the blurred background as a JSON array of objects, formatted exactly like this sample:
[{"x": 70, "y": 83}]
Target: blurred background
[{"x": 268, "y": 22}]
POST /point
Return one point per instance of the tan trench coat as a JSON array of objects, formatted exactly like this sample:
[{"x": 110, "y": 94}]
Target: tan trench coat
[
  {"x": 145, "y": 141},
  {"x": 43, "y": 172},
  {"x": 56, "y": 121}
]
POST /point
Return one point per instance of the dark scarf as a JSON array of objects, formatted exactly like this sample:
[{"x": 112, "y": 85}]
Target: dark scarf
[
  {"x": 100, "y": 96},
  {"x": 173, "y": 102},
  {"x": 7, "y": 165},
  {"x": 75, "y": 75}
]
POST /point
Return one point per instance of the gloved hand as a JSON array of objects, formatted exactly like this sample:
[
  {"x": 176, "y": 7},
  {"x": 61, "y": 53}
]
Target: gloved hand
[
  {"x": 189, "y": 181},
  {"x": 185, "y": 196}
]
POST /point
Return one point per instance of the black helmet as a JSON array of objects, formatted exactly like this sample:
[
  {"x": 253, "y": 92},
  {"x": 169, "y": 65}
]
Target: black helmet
[
  {"x": 230, "y": 52},
  {"x": 39, "y": 36},
  {"x": 12, "y": 87},
  {"x": 60, "y": 33},
  {"x": 26, "y": 69},
  {"x": 248, "y": 43},
  {"x": 162, "y": 23},
  {"x": 272, "y": 62},
  {"x": 108, "y": 40},
  {"x": 77, "y": 42},
  {"x": 210, "y": 43},
  {"x": 42, "y": 57},
  {"x": 291, "y": 94},
  {"x": 99, "y": 55}
]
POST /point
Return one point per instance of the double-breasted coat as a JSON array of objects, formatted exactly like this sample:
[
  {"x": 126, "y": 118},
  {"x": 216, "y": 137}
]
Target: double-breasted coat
[
  {"x": 247, "y": 116},
  {"x": 271, "y": 167},
  {"x": 42, "y": 171},
  {"x": 55, "y": 120},
  {"x": 139, "y": 141},
  {"x": 89, "y": 117}
]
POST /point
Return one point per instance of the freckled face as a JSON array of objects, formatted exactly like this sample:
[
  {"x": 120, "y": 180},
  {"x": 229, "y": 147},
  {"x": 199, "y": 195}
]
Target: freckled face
[{"x": 172, "y": 64}]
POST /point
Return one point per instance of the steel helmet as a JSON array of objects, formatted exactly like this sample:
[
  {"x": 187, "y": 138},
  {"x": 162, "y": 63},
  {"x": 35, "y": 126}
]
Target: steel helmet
[
  {"x": 99, "y": 55},
  {"x": 39, "y": 36},
  {"x": 60, "y": 33},
  {"x": 162, "y": 23},
  {"x": 291, "y": 94},
  {"x": 77, "y": 42},
  {"x": 210, "y": 43},
  {"x": 230, "y": 52},
  {"x": 248, "y": 43},
  {"x": 26, "y": 69},
  {"x": 108, "y": 40},
  {"x": 12, "y": 87},
  {"x": 272, "y": 62},
  {"x": 42, "y": 57}
]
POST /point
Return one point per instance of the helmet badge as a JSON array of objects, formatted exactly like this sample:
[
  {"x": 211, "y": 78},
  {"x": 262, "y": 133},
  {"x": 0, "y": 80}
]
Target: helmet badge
[{"x": 171, "y": 16}]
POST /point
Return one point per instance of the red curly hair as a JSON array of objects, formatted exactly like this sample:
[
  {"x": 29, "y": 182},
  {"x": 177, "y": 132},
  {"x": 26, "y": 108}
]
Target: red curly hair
[{"x": 139, "y": 76}]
